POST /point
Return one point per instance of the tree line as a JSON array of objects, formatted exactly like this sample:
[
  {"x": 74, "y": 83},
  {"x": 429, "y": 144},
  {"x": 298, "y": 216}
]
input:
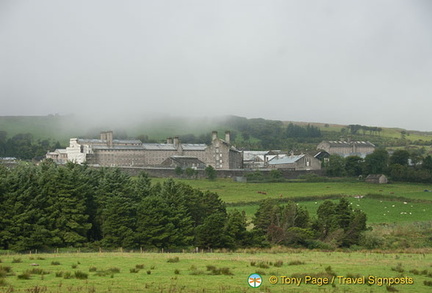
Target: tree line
[
  {"x": 400, "y": 165},
  {"x": 24, "y": 147},
  {"x": 48, "y": 206}
]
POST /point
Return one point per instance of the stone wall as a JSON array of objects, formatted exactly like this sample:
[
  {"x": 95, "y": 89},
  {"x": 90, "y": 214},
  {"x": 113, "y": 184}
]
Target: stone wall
[{"x": 170, "y": 172}]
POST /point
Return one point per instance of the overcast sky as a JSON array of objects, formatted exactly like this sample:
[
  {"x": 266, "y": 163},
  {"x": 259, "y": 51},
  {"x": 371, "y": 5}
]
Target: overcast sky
[{"x": 365, "y": 62}]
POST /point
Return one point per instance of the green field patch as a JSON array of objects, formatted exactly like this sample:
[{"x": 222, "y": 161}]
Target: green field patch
[
  {"x": 217, "y": 272},
  {"x": 377, "y": 210},
  {"x": 233, "y": 192}
]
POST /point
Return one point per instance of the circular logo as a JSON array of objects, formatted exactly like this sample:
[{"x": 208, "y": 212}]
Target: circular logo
[
  {"x": 254, "y": 280},
  {"x": 273, "y": 280}
]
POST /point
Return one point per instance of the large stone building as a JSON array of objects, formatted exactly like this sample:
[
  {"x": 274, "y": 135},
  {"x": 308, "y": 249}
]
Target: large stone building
[
  {"x": 107, "y": 151},
  {"x": 347, "y": 148},
  {"x": 302, "y": 162}
]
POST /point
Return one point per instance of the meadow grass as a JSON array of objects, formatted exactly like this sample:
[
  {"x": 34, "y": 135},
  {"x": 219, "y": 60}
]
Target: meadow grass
[
  {"x": 233, "y": 192},
  {"x": 213, "y": 272},
  {"x": 377, "y": 210}
]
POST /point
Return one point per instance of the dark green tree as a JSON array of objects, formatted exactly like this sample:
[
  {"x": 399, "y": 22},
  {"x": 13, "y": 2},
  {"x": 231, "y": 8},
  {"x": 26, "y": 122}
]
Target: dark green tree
[
  {"x": 335, "y": 166},
  {"x": 354, "y": 166},
  {"x": 399, "y": 157},
  {"x": 377, "y": 162},
  {"x": 210, "y": 172}
]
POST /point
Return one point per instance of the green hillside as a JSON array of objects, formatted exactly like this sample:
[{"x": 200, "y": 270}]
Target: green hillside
[{"x": 246, "y": 133}]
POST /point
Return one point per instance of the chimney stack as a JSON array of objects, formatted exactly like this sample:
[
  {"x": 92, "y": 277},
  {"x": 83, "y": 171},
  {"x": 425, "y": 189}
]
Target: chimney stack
[
  {"x": 103, "y": 135},
  {"x": 176, "y": 141},
  {"x": 214, "y": 135},
  {"x": 169, "y": 140},
  {"x": 228, "y": 137},
  {"x": 109, "y": 138}
]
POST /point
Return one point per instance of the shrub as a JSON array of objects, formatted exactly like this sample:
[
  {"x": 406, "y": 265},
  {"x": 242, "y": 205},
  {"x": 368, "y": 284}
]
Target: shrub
[
  {"x": 278, "y": 264},
  {"x": 114, "y": 270},
  {"x": 37, "y": 271},
  {"x": 134, "y": 270},
  {"x": 5, "y": 271},
  {"x": 296, "y": 263},
  {"x": 24, "y": 276},
  {"x": 67, "y": 275},
  {"x": 59, "y": 274},
  {"x": 92, "y": 269},
  {"x": 141, "y": 266},
  {"x": 55, "y": 263},
  {"x": 398, "y": 268},
  {"x": 16, "y": 260},
  {"x": 81, "y": 275},
  {"x": 148, "y": 272},
  {"x": 263, "y": 265},
  {"x": 3, "y": 282},
  {"x": 74, "y": 266},
  {"x": 177, "y": 272},
  {"x": 173, "y": 259}
]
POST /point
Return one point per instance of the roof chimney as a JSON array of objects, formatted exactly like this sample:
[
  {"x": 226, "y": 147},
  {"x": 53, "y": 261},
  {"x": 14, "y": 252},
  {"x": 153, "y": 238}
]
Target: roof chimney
[
  {"x": 169, "y": 140},
  {"x": 214, "y": 135},
  {"x": 228, "y": 137},
  {"x": 103, "y": 135},
  {"x": 176, "y": 141},
  {"x": 109, "y": 138}
]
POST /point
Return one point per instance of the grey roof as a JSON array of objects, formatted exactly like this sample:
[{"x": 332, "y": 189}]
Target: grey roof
[
  {"x": 286, "y": 160},
  {"x": 159, "y": 146},
  {"x": 341, "y": 143},
  {"x": 194, "y": 147},
  {"x": 115, "y": 141},
  {"x": 118, "y": 147}
]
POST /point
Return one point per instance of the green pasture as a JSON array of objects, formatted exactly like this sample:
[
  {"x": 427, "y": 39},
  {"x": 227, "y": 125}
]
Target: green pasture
[
  {"x": 209, "y": 272},
  {"x": 234, "y": 192},
  {"x": 377, "y": 210}
]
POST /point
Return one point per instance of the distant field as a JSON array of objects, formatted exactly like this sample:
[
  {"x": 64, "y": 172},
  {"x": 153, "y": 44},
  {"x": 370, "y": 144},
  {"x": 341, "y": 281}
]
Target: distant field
[
  {"x": 388, "y": 205},
  {"x": 210, "y": 272},
  {"x": 377, "y": 211},
  {"x": 232, "y": 192}
]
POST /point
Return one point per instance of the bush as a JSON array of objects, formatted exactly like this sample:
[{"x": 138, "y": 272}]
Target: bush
[
  {"x": 81, "y": 275},
  {"x": 173, "y": 259},
  {"x": 278, "y": 264},
  {"x": 24, "y": 276},
  {"x": 134, "y": 270},
  {"x": 16, "y": 260},
  {"x": 55, "y": 263},
  {"x": 295, "y": 263},
  {"x": 140, "y": 267},
  {"x": 92, "y": 269}
]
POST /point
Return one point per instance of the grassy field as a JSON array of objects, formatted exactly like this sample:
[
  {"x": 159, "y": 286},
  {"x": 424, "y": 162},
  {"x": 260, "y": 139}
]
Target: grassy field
[
  {"x": 377, "y": 210},
  {"x": 209, "y": 272},
  {"x": 232, "y": 192}
]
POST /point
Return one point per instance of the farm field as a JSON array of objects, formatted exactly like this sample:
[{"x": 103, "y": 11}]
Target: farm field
[
  {"x": 377, "y": 210},
  {"x": 234, "y": 192},
  {"x": 212, "y": 272}
]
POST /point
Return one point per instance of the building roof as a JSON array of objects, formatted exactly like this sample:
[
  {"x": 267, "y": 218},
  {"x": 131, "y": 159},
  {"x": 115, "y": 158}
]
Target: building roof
[
  {"x": 194, "y": 147},
  {"x": 342, "y": 143},
  {"x": 159, "y": 146},
  {"x": 286, "y": 160},
  {"x": 115, "y": 141},
  {"x": 118, "y": 147}
]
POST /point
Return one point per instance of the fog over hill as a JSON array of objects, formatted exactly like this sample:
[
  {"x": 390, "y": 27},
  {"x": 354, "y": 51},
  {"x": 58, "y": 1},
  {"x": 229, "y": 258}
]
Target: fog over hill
[{"x": 342, "y": 62}]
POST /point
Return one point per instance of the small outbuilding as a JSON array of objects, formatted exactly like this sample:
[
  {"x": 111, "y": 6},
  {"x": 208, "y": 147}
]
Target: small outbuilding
[
  {"x": 377, "y": 179},
  {"x": 184, "y": 162}
]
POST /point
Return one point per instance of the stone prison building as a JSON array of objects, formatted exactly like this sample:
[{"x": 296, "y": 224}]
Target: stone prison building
[{"x": 106, "y": 151}]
